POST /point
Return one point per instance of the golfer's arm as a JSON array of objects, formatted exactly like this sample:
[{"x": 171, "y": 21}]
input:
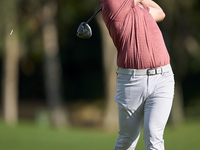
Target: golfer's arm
[{"x": 155, "y": 10}]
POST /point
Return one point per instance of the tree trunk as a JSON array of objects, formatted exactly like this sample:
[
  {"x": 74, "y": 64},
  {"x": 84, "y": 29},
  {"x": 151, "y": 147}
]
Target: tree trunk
[
  {"x": 10, "y": 64},
  {"x": 52, "y": 66},
  {"x": 177, "y": 113},
  {"x": 178, "y": 55},
  {"x": 110, "y": 68}
]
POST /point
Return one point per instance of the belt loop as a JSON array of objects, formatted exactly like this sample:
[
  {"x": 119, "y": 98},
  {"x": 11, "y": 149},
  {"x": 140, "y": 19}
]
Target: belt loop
[
  {"x": 117, "y": 71},
  {"x": 133, "y": 73},
  {"x": 162, "y": 71}
]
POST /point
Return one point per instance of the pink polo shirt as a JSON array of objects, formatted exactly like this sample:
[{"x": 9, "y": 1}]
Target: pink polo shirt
[{"x": 135, "y": 33}]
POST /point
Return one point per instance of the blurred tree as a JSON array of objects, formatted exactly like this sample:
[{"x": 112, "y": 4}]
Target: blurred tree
[
  {"x": 180, "y": 29},
  {"x": 11, "y": 60},
  {"x": 78, "y": 9},
  {"x": 110, "y": 68},
  {"x": 181, "y": 36},
  {"x": 52, "y": 66}
]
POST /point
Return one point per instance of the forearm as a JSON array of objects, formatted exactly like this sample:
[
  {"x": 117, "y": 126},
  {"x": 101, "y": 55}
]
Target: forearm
[
  {"x": 150, "y": 3},
  {"x": 137, "y": 1},
  {"x": 155, "y": 10}
]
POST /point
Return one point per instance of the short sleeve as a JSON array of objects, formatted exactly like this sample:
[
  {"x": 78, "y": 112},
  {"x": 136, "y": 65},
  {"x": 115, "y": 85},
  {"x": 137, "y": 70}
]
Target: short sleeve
[
  {"x": 144, "y": 7},
  {"x": 116, "y": 9}
]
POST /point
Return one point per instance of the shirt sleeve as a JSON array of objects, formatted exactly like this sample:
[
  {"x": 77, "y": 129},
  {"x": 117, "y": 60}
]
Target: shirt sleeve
[
  {"x": 145, "y": 7},
  {"x": 116, "y": 9}
]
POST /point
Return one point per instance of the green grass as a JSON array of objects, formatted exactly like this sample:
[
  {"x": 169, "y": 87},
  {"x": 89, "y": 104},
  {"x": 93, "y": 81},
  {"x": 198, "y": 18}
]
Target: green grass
[
  {"x": 185, "y": 137},
  {"x": 29, "y": 137}
]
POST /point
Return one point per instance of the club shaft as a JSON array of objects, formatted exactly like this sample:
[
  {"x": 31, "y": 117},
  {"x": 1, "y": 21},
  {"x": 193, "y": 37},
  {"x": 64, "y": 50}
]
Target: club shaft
[{"x": 94, "y": 15}]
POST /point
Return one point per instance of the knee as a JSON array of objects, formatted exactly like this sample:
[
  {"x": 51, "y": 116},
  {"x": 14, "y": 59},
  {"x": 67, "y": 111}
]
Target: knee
[{"x": 153, "y": 132}]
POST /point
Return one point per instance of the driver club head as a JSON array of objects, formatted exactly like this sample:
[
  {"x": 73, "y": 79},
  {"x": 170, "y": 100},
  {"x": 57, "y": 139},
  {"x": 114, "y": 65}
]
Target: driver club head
[{"x": 84, "y": 31}]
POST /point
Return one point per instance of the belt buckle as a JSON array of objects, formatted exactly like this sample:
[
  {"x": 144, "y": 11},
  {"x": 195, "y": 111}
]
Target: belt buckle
[{"x": 151, "y": 72}]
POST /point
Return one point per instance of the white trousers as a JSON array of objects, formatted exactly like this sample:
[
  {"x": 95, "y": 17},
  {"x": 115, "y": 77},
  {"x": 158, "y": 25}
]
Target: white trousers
[{"x": 143, "y": 100}]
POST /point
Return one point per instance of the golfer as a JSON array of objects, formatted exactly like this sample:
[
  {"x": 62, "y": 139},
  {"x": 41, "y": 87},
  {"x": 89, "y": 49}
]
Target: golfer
[{"x": 145, "y": 81}]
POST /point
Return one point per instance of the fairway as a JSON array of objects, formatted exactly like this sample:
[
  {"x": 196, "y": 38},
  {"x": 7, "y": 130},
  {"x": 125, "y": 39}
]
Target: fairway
[{"x": 30, "y": 137}]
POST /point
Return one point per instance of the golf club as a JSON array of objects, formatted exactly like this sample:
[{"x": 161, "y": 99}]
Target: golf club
[{"x": 84, "y": 31}]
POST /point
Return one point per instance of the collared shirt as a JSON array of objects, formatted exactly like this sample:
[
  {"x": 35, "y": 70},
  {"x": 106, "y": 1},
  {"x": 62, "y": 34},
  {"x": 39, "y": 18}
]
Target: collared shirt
[{"x": 135, "y": 33}]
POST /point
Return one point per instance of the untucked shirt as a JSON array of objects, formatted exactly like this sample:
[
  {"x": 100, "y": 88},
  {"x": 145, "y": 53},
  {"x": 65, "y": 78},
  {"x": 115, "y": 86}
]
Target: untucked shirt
[{"x": 135, "y": 33}]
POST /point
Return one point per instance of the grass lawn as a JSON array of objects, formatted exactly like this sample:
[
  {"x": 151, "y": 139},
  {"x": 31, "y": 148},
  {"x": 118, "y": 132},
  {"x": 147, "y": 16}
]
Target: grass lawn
[{"x": 29, "y": 137}]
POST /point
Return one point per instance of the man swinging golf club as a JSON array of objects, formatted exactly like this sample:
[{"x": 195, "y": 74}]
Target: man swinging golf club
[{"x": 145, "y": 81}]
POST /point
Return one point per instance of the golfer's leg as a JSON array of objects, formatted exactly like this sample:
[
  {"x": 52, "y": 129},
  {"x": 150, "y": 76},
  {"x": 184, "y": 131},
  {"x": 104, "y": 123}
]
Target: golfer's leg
[
  {"x": 156, "y": 116},
  {"x": 156, "y": 112},
  {"x": 129, "y": 128},
  {"x": 130, "y": 98}
]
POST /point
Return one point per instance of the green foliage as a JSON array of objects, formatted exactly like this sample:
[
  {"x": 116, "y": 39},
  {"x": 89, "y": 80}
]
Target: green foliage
[{"x": 180, "y": 29}]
